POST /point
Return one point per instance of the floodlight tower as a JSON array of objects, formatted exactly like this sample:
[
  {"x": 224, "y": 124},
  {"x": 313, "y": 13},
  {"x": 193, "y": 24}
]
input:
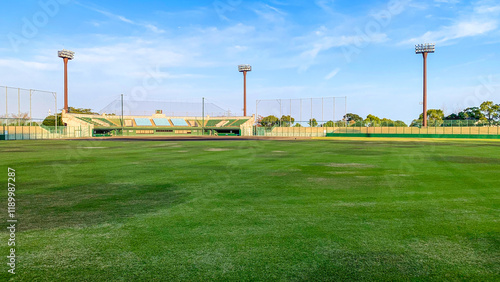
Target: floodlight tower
[
  {"x": 244, "y": 69},
  {"x": 66, "y": 56},
  {"x": 424, "y": 49}
]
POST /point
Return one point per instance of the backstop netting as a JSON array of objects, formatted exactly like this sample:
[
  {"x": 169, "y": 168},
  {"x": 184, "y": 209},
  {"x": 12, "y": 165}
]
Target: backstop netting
[
  {"x": 25, "y": 105},
  {"x": 172, "y": 109},
  {"x": 321, "y": 110}
]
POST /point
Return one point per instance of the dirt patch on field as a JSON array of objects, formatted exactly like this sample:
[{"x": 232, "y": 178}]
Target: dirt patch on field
[
  {"x": 217, "y": 149},
  {"x": 467, "y": 159},
  {"x": 318, "y": 179}
]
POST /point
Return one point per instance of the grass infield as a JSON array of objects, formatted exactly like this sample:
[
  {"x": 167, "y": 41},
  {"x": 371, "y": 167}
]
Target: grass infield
[{"x": 334, "y": 209}]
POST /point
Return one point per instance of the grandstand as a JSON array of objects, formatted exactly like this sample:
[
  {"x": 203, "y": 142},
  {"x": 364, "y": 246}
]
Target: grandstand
[
  {"x": 179, "y": 122},
  {"x": 160, "y": 124},
  {"x": 143, "y": 122}
]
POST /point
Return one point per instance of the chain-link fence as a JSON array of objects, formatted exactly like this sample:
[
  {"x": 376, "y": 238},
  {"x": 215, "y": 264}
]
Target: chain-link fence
[
  {"x": 313, "y": 128},
  {"x": 168, "y": 108},
  {"x": 32, "y": 104},
  {"x": 302, "y": 111},
  {"x": 34, "y": 129},
  {"x": 435, "y": 127}
]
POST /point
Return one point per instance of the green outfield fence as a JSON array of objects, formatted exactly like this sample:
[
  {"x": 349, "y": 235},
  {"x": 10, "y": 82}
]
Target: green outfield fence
[{"x": 435, "y": 129}]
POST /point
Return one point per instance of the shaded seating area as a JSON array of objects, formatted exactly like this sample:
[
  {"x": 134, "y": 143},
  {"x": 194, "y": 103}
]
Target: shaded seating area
[
  {"x": 88, "y": 120},
  {"x": 179, "y": 122},
  {"x": 239, "y": 122},
  {"x": 161, "y": 122},
  {"x": 106, "y": 121},
  {"x": 213, "y": 122},
  {"x": 143, "y": 122}
]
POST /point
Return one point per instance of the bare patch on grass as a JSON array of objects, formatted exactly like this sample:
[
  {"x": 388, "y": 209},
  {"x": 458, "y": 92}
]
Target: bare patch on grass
[
  {"x": 341, "y": 172},
  {"x": 217, "y": 149},
  {"x": 319, "y": 179},
  {"x": 364, "y": 176}
]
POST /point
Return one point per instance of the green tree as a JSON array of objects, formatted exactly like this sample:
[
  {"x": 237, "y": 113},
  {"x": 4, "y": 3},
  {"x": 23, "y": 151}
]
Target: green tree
[
  {"x": 473, "y": 113},
  {"x": 386, "y": 122},
  {"x": 50, "y": 121},
  {"x": 352, "y": 117},
  {"x": 434, "y": 118},
  {"x": 312, "y": 122},
  {"x": 269, "y": 121},
  {"x": 490, "y": 111},
  {"x": 287, "y": 120},
  {"x": 453, "y": 117},
  {"x": 372, "y": 120},
  {"x": 400, "y": 123},
  {"x": 329, "y": 123},
  {"x": 81, "y": 111},
  {"x": 297, "y": 125}
]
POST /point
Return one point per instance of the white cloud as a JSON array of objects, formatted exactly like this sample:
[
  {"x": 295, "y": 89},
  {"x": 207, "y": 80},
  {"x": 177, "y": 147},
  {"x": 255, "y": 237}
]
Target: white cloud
[
  {"x": 326, "y": 43},
  {"x": 27, "y": 65},
  {"x": 458, "y": 30},
  {"x": 481, "y": 21},
  {"x": 447, "y": 1},
  {"x": 483, "y": 9},
  {"x": 270, "y": 13},
  {"x": 121, "y": 18},
  {"x": 332, "y": 74}
]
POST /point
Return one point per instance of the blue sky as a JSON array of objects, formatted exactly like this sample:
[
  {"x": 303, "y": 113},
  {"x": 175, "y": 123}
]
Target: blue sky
[{"x": 185, "y": 50}]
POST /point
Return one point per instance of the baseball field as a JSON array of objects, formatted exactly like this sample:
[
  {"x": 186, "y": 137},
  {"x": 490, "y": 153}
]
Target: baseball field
[{"x": 323, "y": 210}]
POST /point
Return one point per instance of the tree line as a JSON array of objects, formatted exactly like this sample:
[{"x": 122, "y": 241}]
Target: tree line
[{"x": 488, "y": 113}]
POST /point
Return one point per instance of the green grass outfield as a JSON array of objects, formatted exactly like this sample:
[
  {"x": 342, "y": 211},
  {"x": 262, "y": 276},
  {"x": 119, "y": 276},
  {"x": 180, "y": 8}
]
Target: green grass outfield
[{"x": 335, "y": 209}]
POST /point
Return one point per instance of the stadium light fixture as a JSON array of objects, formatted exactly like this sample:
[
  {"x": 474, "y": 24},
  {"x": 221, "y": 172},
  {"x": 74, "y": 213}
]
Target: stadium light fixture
[
  {"x": 66, "y": 55},
  {"x": 424, "y": 49},
  {"x": 244, "y": 69}
]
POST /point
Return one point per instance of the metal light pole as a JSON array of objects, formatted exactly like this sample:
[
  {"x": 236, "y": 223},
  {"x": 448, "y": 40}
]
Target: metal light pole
[
  {"x": 244, "y": 69},
  {"x": 203, "y": 116},
  {"x": 66, "y": 56},
  {"x": 424, "y": 49},
  {"x": 122, "y": 121}
]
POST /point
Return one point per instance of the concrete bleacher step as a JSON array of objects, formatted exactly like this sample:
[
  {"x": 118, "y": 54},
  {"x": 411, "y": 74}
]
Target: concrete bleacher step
[{"x": 222, "y": 123}]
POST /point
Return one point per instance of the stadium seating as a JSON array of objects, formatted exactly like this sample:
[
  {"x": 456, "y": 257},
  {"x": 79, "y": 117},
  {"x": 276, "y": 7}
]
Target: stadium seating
[
  {"x": 230, "y": 122},
  {"x": 106, "y": 121},
  {"x": 161, "y": 122},
  {"x": 179, "y": 122},
  {"x": 213, "y": 122},
  {"x": 239, "y": 122},
  {"x": 226, "y": 123},
  {"x": 89, "y": 120},
  {"x": 194, "y": 123},
  {"x": 143, "y": 122}
]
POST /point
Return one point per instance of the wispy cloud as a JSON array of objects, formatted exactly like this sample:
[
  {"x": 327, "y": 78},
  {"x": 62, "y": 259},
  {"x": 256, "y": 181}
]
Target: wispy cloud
[
  {"x": 270, "y": 13},
  {"x": 332, "y": 74},
  {"x": 458, "y": 30},
  {"x": 481, "y": 21},
  {"x": 326, "y": 42},
  {"x": 121, "y": 18}
]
